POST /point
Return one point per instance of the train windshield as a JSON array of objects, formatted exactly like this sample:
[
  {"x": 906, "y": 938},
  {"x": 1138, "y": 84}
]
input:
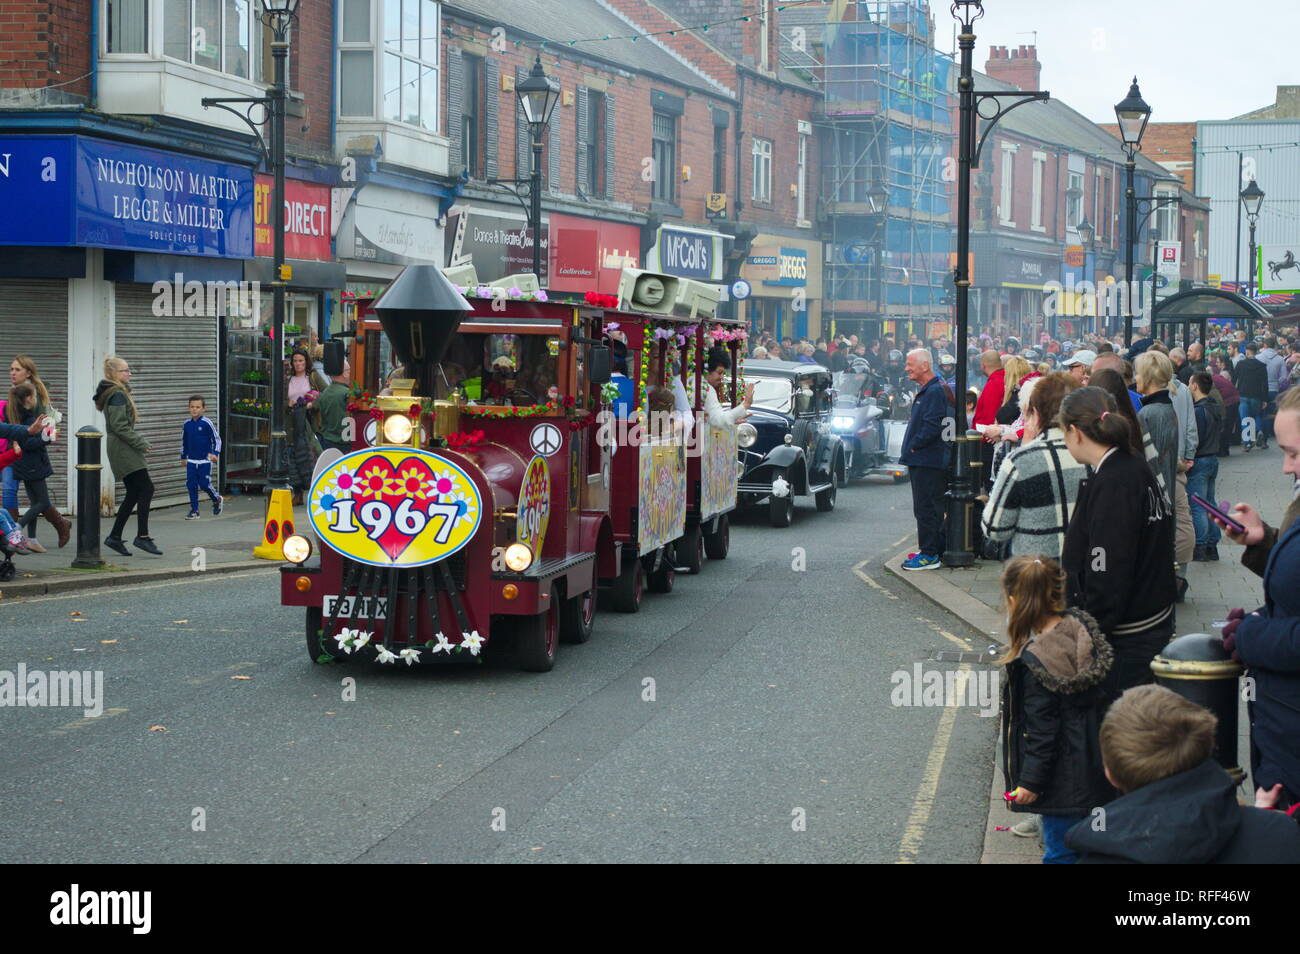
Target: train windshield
[{"x": 503, "y": 369}]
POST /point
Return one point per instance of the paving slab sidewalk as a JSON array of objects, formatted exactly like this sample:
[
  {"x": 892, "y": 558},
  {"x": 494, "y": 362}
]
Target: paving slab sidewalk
[
  {"x": 221, "y": 544},
  {"x": 974, "y": 595}
]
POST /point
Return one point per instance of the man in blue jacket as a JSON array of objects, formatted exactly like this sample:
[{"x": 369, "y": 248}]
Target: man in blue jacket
[{"x": 925, "y": 452}]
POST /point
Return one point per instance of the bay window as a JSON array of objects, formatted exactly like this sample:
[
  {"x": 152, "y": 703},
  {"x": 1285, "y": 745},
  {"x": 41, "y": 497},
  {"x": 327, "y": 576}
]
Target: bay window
[{"x": 396, "y": 43}]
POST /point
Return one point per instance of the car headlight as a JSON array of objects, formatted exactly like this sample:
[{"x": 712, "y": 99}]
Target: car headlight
[
  {"x": 842, "y": 423},
  {"x": 297, "y": 549},
  {"x": 789, "y": 438},
  {"x": 398, "y": 428},
  {"x": 746, "y": 434},
  {"x": 518, "y": 557}
]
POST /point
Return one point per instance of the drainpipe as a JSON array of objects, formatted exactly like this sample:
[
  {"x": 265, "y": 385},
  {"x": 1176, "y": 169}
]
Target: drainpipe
[
  {"x": 739, "y": 203},
  {"x": 94, "y": 54}
]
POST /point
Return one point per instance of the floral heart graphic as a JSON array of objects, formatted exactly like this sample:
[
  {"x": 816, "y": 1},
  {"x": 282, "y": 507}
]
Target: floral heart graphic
[{"x": 378, "y": 479}]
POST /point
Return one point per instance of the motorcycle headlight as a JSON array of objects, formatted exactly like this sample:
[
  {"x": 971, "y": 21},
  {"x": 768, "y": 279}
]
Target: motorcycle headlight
[
  {"x": 842, "y": 423},
  {"x": 397, "y": 429},
  {"x": 297, "y": 549},
  {"x": 746, "y": 434},
  {"x": 518, "y": 557}
]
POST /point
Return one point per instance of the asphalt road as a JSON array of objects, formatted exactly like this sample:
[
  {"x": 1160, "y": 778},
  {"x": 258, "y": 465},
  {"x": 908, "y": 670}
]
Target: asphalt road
[{"x": 770, "y": 737}]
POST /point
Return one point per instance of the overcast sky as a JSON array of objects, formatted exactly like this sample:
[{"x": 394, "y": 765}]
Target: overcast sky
[{"x": 1194, "y": 59}]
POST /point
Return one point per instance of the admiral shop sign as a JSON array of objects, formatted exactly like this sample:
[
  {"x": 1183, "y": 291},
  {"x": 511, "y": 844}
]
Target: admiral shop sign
[
  {"x": 73, "y": 190},
  {"x": 1019, "y": 271}
]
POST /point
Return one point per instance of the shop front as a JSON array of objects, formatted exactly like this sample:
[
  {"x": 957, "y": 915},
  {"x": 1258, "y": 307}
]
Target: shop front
[
  {"x": 245, "y": 333},
  {"x": 1022, "y": 303},
  {"x": 120, "y": 249},
  {"x": 382, "y": 229},
  {"x": 784, "y": 275}
]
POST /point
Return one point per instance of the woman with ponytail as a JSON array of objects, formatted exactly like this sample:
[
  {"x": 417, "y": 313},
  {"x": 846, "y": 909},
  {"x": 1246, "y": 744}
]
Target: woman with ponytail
[
  {"x": 1119, "y": 547},
  {"x": 1053, "y": 702},
  {"x": 126, "y": 450}
]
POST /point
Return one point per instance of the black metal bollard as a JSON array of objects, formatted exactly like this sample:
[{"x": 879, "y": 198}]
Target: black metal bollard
[
  {"x": 961, "y": 502},
  {"x": 1198, "y": 668},
  {"x": 89, "y": 469}
]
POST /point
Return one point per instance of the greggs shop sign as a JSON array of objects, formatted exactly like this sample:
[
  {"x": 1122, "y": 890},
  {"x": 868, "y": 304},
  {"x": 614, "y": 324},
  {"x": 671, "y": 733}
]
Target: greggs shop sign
[
  {"x": 79, "y": 191},
  {"x": 306, "y": 220}
]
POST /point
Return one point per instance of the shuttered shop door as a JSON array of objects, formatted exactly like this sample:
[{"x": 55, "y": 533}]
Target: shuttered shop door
[
  {"x": 171, "y": 358},
  {"x": 34, "y": 321}
]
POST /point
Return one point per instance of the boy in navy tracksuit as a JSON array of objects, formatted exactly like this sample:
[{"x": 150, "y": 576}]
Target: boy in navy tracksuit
[{"x": 200, "y": 448}]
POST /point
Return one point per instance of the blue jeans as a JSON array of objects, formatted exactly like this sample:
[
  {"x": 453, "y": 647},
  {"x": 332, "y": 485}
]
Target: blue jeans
[
  {"x": 1251, "y": 432},
  {"x": 8, "y": 489},
  {"x": 1200, "y": 481},
  {"x": 1054, "y": 829}
]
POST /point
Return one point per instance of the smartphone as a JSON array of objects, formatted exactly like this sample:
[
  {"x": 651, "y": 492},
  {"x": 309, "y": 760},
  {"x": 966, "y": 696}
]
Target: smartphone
[{"x": 1216, "y": 512}]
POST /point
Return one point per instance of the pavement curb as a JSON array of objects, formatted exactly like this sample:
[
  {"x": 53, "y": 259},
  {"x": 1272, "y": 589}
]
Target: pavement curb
[
  {"x": 1000, "y": 847},
  {"x": 931, "y": 584},
  {"x": 92, "y": 580}
]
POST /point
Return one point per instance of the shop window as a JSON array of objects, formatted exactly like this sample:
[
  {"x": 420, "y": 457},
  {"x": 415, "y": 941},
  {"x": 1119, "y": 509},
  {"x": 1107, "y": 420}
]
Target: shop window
[
  {"x": 127, "y": 26},
  {"x": 664, "y": 154},
  {"x": 394, "y": 43},
  {"x": 592, "y": 144},
  {"x": 762, "y": 152},
  {"x": 215, "y": 34}
]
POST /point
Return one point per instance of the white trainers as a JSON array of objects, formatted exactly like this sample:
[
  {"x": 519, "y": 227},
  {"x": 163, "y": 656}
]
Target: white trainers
[{"x": 1031, "y": 827}]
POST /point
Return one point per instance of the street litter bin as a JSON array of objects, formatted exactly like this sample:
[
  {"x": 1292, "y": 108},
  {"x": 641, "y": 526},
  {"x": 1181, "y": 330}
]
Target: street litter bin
[{"x": 1198, "y": 668}]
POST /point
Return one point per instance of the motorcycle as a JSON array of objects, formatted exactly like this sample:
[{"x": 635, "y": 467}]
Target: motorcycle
[{"x": 858, "y": 421}]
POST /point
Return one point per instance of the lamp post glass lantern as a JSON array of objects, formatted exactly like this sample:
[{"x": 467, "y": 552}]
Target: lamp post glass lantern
[{"x": 1086, "y": 233}]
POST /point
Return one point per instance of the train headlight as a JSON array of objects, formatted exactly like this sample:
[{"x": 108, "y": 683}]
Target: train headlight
[
  {"x": 398, "y": 429},
  {"x": 297, "y": 549},
  {"x": 518, "y": 557},
  {"x": 746, "y": 434}
]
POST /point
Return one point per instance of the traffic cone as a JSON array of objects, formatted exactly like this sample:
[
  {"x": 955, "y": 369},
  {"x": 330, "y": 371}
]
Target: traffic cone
[{"x": 278, "y": 525}]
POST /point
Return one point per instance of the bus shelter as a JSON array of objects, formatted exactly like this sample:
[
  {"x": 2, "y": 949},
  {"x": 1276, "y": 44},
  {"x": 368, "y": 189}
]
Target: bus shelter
[{"x": 1191, "y": 311}]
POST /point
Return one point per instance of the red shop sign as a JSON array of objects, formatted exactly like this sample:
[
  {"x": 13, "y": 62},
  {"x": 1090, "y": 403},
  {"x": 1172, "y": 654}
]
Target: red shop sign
[
  {"x": 306, "y": 220},
  {"x": 590, "y": 255}
]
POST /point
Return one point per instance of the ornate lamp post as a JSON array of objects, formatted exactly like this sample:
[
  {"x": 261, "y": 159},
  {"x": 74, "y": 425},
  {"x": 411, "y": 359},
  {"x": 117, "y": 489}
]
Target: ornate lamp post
[
  {"x": 279, "y": 16},
  {"x": 960, "y": 548},
  {"x": 1252, "y": 197},
  {"x": 1132, "y": 114},
  {"x": 537, "y": 96},
  {"x": 1085, "y": 231}
]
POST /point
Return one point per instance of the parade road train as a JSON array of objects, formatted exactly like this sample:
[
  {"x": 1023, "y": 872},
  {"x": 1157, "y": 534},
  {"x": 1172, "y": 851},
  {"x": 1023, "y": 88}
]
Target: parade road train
[{"x": 483, "y": 503}]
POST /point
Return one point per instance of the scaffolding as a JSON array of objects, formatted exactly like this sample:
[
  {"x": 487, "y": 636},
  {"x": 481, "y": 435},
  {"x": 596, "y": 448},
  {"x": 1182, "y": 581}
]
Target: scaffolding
[{"x": 888, "y": 169}]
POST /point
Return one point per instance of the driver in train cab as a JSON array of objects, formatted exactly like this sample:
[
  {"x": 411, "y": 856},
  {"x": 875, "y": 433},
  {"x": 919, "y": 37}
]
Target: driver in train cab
[
  {"x": 622, "y": 406},
  {"x": 502, "y": 381},
  {"x": 716, "y": 367}
]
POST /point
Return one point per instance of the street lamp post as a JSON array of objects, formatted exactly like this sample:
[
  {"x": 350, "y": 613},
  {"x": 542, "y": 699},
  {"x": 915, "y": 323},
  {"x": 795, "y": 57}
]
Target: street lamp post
[
  {"x": 1085, "y": 232},
  {"x": 1252, "y": 197},
  {"x": 959, "y": 549},
  {"x": 537, "y": 97},
  {"x": 1132, "y": 113},
  {"x": 279, "y": 15}
]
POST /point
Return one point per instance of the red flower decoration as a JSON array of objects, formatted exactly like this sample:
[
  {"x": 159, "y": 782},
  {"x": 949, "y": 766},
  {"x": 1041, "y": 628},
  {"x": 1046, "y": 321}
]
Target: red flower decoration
[
  {"x": 569, "y": 401},
  {"x": 377, "y": 414},
  {"x": 414, "y": 410}
]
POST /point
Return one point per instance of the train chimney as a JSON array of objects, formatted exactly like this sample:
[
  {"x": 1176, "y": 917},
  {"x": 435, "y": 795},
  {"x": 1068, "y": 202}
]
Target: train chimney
[{"x": 420, "y": 312}]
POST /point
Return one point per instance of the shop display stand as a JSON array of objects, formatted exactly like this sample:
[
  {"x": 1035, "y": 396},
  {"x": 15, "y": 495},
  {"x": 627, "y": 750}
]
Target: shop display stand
[{"x": 248, "y": 350}]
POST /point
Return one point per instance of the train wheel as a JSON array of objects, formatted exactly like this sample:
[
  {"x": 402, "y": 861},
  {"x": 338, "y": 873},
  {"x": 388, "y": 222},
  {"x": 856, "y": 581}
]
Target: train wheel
[
  {"x": 782, "y": 508},
  {"x": 539, "y": 637},
  {"x": 318, "y": 648},
  {"x": 662, "y": 579},
  {"x": 628, "y": 588},
  {"x": 691, "y": 550},
  {"x": 578, "y": 617}
]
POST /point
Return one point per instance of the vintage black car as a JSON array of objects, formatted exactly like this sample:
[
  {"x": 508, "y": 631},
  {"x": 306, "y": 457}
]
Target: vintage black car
[{"x": 792, "y": 449}]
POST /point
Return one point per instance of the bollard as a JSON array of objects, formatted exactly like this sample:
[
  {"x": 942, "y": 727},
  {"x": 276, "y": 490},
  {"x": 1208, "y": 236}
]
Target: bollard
[
  {"x": 88, "y": 479},
  {"x": 960, "y": 508},
  {"x": 1197, "y": 667}
]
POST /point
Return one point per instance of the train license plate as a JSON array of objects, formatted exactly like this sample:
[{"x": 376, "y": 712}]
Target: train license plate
[{"x": 355, "y": 607}]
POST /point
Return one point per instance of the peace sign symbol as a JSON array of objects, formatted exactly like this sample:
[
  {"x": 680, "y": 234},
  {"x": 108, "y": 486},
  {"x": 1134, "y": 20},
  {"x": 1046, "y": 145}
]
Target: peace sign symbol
[{"x": 545, "y": 439}]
